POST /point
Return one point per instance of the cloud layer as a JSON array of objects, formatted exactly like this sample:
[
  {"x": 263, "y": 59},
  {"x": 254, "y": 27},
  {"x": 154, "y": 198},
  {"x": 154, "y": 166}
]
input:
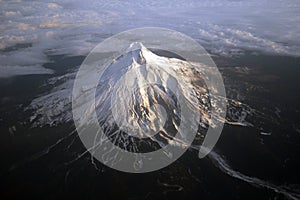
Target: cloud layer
[{"x": 74, "y": 27}]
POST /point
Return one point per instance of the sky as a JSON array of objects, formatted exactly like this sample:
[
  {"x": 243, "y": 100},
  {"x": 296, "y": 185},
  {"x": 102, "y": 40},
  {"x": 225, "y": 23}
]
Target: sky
[{"x": 74, "y": 27}]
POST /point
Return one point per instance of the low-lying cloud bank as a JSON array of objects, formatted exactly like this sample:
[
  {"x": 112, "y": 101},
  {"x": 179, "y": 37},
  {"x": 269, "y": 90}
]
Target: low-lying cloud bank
[{"x": 74, "y": 27}]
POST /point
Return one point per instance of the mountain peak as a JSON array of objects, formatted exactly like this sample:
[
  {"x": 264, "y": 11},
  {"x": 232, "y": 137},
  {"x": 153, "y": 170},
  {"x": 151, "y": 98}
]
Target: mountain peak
[
  {"x": 141, "y": 50},
  {"x": 137, "y": 45},
  {"x": 136, "y": 54}
]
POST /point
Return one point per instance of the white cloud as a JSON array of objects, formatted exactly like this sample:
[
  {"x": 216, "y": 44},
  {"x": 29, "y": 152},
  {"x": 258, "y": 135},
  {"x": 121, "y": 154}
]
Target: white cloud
[
  {"x": 74, "y": 27},
  {"x": 8, "y": 71}
]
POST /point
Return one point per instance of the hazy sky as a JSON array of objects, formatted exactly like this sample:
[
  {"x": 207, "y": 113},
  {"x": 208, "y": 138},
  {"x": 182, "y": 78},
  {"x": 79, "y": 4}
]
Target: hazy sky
[{"x": 74, "y": 27}]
